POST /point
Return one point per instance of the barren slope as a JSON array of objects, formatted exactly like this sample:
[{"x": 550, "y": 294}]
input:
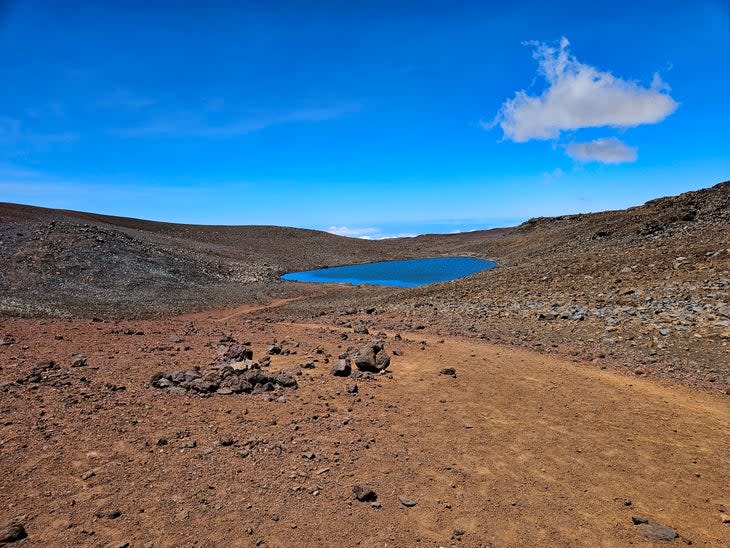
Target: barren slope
[{"x": 519, "y": 449}]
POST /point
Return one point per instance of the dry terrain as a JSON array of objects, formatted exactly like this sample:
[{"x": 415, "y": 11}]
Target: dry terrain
[{"x": 160, "y": 386}]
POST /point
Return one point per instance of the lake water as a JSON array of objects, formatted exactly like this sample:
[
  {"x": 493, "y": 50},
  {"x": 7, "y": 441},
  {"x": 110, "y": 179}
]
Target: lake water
[{"x": 407, "y": 273}]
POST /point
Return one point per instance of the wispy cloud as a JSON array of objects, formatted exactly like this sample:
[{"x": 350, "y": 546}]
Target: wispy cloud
[
  {"x": 608, "y": 150},
  {"x": 125, "y": 100},
  {"x": 579, "y": 96},
  {"x": 14, "y": 132},
  {"x": 550, "y": 176},
  {"x": 186, "y": 124}
]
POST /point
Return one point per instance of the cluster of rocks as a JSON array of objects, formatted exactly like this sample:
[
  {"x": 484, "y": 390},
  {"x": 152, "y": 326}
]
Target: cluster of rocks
[
  {"x": 223, "y": 380},
  {"x": 369, "y": 358},
  {"x": 47, "y": 372},
  {"x": 235, "y": 372}
]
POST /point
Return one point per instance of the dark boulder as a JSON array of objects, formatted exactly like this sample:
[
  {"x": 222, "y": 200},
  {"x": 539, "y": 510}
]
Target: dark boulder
[
  {"x": 286, "y": 380},
  {"x": 371, "y": 357},
  {"x": 257, "y": 376}
]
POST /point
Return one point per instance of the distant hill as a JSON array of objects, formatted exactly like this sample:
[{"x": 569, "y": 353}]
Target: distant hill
[{"x": 60, "y": 262}]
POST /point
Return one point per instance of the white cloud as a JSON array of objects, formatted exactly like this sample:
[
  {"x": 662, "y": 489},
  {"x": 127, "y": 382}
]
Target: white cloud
[
  {"x": 365, "y": 233},
  {"x": 369, "y": 233},
  {"x": 608, "y": 151},
  {"x": 579, "y": 96}
]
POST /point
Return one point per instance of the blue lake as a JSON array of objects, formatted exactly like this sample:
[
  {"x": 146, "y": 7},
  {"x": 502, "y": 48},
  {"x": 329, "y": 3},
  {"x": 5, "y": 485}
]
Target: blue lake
[{"x": 407, "y": 273}]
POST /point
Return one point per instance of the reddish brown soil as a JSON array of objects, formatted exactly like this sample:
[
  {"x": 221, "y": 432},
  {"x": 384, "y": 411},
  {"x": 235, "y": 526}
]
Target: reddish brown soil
[{"x": 520, "y": 449}]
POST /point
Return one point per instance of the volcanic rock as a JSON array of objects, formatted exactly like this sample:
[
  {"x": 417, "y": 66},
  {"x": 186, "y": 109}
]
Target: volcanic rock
[
  {"x": 363, "y": 493},
  {"x": 655, "y": 531},
  {"x": 371, "y": 357},
  {"x": 11, "y": 532},
  {"x": 341, "y": 368}
]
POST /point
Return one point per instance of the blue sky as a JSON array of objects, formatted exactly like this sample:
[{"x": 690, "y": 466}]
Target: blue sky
[{"x": 364, "y": 118}]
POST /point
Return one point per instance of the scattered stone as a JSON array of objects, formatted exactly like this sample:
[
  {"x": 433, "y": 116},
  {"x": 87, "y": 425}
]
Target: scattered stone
[
  {"x": 351, "y": 388},
  {"x": 448, "y": 371},
  {"x": 274, "y": 349},
  {"x": 11, "y": 532},
  {"x": 226, "y": 442},
  {"x": 656, "y": 531},
  {"x": 236, "y": 354},
  {"x": 79, "y": 360},
  {"x": 361, "y": 329},
  {"x": 308, "y": 455},
  {"x": 108, "y": 514},
  {"x": 88, "y": 475},
  {"x": 363, "y": 493},
  {"x": 341, "y": 368},
  {"x": 406, "y": 501},
  {"x": 160, "y": 380},
  {"x": 638, "y": 520},
  {"x": 724, "y": 518}
]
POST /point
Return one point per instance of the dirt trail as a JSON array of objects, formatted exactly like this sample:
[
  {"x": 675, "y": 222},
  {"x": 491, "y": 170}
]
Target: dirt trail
[
  {"x": 227, "y": 314},
  {"x": 547, "y": 434},
  {"x": 520, "y": 449}
]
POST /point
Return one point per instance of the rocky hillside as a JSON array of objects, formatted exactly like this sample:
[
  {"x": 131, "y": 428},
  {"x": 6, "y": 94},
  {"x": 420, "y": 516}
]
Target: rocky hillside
[
  {"x": 649, "y": 285},
  {"x": 63, "y": 263}
]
